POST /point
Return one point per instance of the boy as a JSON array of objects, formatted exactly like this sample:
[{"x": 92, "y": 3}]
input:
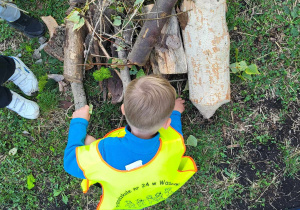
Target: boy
[{"x": 142, "y": 164}]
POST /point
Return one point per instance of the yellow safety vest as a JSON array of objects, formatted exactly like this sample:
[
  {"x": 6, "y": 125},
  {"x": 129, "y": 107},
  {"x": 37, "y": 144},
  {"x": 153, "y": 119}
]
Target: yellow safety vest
[{"x": 143, "y": 186}]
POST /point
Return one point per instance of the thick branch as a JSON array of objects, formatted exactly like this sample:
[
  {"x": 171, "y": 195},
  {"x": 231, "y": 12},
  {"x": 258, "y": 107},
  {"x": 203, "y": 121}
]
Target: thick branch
[
  {"x": 150, "y": 32},
  {"x": 73, "y": 54}
]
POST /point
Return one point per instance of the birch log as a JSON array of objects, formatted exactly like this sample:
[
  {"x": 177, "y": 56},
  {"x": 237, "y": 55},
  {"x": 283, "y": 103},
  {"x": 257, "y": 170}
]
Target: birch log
[
  {"x": 168, "y": 56},
  {"x": 206, "y": 42}
]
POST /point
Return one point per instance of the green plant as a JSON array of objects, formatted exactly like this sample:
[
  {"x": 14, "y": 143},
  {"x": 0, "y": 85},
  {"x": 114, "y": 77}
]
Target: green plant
[
  {"x": 76, "y": 16},
  {"x": 102, "y": 74},
  {"x": 243, "y": 71},
  {"x": 47, "y": 100},
  {"x": 135, "y": 71},
  {"x": 42, "y": 82}
]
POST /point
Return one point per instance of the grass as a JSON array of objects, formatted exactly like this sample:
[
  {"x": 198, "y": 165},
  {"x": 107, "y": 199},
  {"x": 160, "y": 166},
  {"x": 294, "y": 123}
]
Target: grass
[{"x": 263, "y": 118}]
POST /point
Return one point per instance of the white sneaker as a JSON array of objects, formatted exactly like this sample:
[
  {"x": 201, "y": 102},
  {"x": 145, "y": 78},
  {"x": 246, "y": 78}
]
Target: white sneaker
[
  {"x": 25, "y": 108},
  {"x": 24, "y": 78}
]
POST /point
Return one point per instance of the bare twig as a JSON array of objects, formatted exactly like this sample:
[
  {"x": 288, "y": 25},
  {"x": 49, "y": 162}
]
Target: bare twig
[
  {"x": 109, "y": 64},
  {"x": 133, "y": 14},
  {"x": 5, "y": 3}
]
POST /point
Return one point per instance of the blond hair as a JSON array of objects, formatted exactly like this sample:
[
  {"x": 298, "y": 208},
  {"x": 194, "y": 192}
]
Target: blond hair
[{"x": 149, "y": 102}]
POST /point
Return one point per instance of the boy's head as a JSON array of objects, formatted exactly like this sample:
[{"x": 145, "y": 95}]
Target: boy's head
[{"x": 148, "y": 103}]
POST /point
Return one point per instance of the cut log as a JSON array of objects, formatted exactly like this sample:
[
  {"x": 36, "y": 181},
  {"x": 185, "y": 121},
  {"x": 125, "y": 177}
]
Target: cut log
[
  {"x": 168, "y": 56},
  {"x": 73, "y": 55},
  {"x": 206, "y": 42},
  {"x": 150, "y": 32}
]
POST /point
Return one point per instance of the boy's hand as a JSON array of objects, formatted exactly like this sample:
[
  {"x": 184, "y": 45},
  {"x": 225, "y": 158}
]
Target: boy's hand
[
  {"x": 83, "y": 112},
  {"x": 179, "y": 105}
]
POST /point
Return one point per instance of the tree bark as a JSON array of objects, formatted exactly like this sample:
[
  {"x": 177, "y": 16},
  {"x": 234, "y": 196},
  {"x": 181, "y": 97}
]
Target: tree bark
[
  {"x": 73, "y": 55},
  {"x": 168, "y": 56},
  {"x": 207, "y": 46},
  {"x": 150, "y": 32},
  {"x": 122, "y": 54}
]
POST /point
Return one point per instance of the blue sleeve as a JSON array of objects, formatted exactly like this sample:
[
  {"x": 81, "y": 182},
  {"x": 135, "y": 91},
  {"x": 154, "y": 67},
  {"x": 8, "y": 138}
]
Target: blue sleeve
[
  {"x": 176, "y": 121},
  {"x": 77, "y": 134}
]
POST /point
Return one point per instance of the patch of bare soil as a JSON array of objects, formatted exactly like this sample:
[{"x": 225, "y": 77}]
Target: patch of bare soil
[{"x": 268, "y": 158}]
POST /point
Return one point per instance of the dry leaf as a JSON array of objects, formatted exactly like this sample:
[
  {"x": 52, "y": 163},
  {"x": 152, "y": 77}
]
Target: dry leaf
[
  {"x": 183, "y": 18},
  {"x": 50, "y": 23},
  {"x": 13, "y": 151},
  {"x": 65, "y": 104}
]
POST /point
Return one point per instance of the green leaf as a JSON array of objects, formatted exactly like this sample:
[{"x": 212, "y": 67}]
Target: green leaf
[
  {"x": 297, "y": 21},
  {"x": 279, "y": 17},
  {"x": 119, "y": 63},
  {"x": 117, "y": 21},
  {"x": 120, "y": 9},
  {"x": 112, "y": 7},
  {"x": 294, "y": 32},
  {"x": 246, "y": 76},
  {"x": 79, "y": 24},
  {"x": 133, "y": 70},
  {"x": 65, "y": 199},
  {"x": 286, "y": 10},
  {"x": 192, "y": 141},
  {"x": 137, "y": 2},
  {"x": 294, "y": 13},
  {"x": 91, "y": 109},
  {"x": 56, "y": 192},
  {"x": 140, "y": 73},
  {"x": 29, "y": 48},
  {"x": 242, "y": 66},
  {"x": 30, "y": 181},
  {"x": 252, "y": 69},
  {"x": 52, "y": 149},
  {"x": 233, "y": 68},
  {"x": 74, "y": 16},
  {"x": 240, "y": 76}
]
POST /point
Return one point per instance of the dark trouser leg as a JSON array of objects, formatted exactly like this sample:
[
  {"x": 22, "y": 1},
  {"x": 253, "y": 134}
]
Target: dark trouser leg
[{"x": 7, "y": 69}]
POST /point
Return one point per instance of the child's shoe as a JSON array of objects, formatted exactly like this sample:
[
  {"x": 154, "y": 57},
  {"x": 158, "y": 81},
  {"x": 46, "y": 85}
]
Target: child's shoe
[
  {"x": 30, "y": 26},
  {"x": 24, "y": 78},
  {"x": 22, "y": 106}
]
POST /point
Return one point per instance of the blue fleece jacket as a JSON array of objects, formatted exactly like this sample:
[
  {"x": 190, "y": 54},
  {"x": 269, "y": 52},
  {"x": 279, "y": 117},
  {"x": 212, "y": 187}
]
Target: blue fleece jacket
[{"x": 117, "y": 152}]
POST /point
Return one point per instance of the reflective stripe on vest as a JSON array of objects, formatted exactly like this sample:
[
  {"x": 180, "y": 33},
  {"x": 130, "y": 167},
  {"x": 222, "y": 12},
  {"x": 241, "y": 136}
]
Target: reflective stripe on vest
[{"x": 143, "y": 186}]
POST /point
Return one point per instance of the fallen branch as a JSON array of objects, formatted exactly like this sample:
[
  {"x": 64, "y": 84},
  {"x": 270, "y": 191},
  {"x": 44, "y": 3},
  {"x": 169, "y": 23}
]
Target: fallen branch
[{"x": 73, "y": 54}]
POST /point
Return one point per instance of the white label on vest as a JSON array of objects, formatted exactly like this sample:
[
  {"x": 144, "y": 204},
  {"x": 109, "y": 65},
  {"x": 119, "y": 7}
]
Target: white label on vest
[{"x": 134, "y": 165}]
